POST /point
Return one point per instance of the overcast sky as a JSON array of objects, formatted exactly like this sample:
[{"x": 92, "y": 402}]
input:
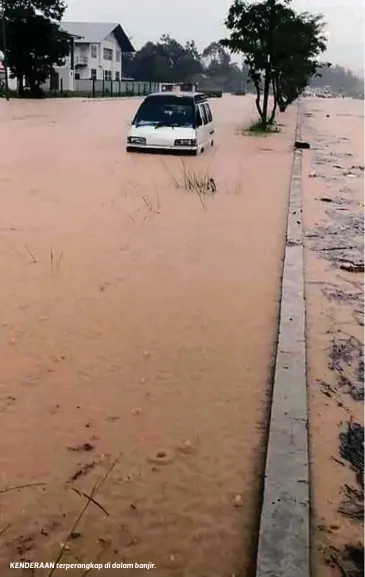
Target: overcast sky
[{"x": 202, "y": 20}]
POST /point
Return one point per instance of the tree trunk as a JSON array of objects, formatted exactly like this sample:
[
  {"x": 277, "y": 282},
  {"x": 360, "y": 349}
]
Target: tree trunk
[
  {"x": 258, "y": 102},
  {"x": 273, "y": 112},
  {"x": 279, "y": 97},
  {"x": 257, "y": 86},
  {"x": 276, "y": 95},
  {"x": 269, "y": 56},
  {"x": 265, "y": 104},
  {"x": 20, "y": 84}
]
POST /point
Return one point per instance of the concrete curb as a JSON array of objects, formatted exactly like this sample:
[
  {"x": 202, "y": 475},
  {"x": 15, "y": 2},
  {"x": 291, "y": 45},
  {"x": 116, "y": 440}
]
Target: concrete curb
[{"x": 283, "y": 549}]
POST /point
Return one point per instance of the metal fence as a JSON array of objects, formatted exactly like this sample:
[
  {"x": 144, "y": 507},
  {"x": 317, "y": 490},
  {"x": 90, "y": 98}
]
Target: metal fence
[{"x": 114, "y": 88}]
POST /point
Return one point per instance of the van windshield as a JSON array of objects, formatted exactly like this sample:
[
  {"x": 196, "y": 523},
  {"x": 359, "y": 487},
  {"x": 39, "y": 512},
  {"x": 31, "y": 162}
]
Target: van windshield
[{"x": 166, "y": 110}]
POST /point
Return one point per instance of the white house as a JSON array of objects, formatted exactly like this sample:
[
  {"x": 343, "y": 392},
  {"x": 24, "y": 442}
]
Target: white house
[{"x": 96, "y": 52}]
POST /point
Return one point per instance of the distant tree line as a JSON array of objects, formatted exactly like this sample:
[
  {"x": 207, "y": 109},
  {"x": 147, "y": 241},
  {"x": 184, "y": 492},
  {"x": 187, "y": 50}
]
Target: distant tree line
[
  {"x": 169, "y": 61},
  {"x": 340, "y": 80}
]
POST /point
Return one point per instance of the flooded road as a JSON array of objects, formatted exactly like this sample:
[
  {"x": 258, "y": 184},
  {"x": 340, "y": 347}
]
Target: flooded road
[
  {"x": 138, "y": 321},
  {"x": 333, "y": 210}
]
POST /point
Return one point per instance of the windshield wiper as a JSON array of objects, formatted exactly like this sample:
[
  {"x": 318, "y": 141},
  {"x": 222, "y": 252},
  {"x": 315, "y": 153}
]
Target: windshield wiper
[
  {"x": 169, "y": 125},
  {"x": 160, "y": 125}
]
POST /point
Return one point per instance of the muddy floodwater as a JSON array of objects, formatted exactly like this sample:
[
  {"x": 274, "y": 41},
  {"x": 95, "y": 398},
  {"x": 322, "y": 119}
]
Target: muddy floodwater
[
  {"x": 333, "y": 211},
  {"x": 138, "y": 321}
]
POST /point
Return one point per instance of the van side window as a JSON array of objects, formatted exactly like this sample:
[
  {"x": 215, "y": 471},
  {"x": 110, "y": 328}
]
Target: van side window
[
  {"x": 208, "y": 111},
  {"x": 198, "y": 117},
  {"x": 204, "y": 114}
]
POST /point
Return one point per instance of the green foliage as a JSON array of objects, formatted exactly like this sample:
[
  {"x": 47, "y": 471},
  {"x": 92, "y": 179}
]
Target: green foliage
[
  {"x": 34, "y": 42},
  {"x": 299, "y": 41},
  {"x": 169, "y": 61},
  {"x": 260, "y": 127},
  {"x": 165, "y": 61},
  {"x": 279, "y": 47}
]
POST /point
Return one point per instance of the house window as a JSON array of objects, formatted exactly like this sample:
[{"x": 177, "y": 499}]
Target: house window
[
  {"x": 77, "y": 76},
  {"x": 117, "y": 56},
  {"x": 93, "y": 74},
  {"x": 117, "y": 75},
  {"x": 108, "y": 54},
  {"x": 94, "y": 51},
  {"x": 107, "y": 74}
]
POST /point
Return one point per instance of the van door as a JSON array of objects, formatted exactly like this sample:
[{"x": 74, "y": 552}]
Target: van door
[
  {"x": 210, "y": 126},
  {"x": 199, "y": 127},
  {"x": 205, "y": 125}
]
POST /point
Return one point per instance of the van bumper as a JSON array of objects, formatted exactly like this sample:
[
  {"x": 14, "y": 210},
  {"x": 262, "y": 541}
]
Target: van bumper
[{"x": 151, "y": 148}]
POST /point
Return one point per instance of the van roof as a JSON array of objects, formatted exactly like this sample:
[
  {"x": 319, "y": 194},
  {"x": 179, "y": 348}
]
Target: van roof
[{"x": 194, "y": 95}]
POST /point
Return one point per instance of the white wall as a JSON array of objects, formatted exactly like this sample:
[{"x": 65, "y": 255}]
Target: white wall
[
  {"x": 64, "y": 73},
  {"x": 12, "y": 82},
  {"x": 112, "y": 65},
  {"x": 65, "y": 78},
  {"x": 82, "y": 51},
  {"x": 98, "y": 63}
]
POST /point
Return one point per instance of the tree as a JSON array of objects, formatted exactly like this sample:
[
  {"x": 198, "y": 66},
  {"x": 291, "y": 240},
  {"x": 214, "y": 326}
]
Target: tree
[
  {"x": 219, "y": 68},
  {"x": 34, "y": 42},
  {"x": 279, "y": 49},
  {"x": 165, "y": 61},
  {"x": 294, "y": 66},
  {"x": 183, "y": 62},
  {"x": 149, "y": 63},
  {"x": 216, "y": 56}
]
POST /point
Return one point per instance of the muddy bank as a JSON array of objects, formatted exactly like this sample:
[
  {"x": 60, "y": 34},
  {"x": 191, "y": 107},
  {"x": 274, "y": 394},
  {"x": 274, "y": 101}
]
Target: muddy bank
[
  {"x": 138, "y": 321},
  {"x": 333, "y": 183}
]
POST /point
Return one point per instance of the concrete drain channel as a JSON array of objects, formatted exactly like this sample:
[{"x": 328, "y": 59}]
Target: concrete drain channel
[{"x": 283, "y": 548}]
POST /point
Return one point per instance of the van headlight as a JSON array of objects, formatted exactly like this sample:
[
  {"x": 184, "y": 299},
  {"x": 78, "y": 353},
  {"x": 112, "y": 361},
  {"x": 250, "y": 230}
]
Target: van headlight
[
  {"x": 185, "y": 142},
  {"x": 136, "y": 140}
]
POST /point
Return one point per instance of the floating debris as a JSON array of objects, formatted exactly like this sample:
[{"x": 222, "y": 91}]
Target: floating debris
[
  {"x": 84, "y": 447},
  {"x": 352, "y": 505},
  {"x": 335, "y": 293},
  {"x": 301, "y": 145},
  {"x": 352, "y": 449},
  {"x": 82, "y": 471},
  {"x": 186, "y": 447},
  {"x": 162, "y": 457},
  {"x": 350, "y": 561},
  {"x": 238, "y": 501},
  {"x": 346, "y": 359},
  {"x": 352, "y": 266}
]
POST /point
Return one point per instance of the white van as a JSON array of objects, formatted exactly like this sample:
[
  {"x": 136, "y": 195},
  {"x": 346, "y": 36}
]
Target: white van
[{"x": 179, "y": 121}]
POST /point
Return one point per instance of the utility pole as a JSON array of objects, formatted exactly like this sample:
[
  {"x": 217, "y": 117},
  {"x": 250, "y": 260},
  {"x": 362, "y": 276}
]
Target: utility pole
[{"x": 5, "y": 60}]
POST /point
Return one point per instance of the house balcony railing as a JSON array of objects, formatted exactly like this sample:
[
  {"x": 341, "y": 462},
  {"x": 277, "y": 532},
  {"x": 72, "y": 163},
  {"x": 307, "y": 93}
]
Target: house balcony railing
[{"x": 81, "y": 61}]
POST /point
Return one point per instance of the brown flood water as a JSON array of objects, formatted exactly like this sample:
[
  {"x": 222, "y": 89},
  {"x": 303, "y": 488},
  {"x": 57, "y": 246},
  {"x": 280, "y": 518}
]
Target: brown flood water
[
  {"x": 141, "y": 320},
  {"x": 335, "y": 130}
]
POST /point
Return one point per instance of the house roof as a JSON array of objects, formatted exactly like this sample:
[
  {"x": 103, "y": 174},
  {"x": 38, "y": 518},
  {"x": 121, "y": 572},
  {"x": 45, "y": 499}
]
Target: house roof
[{"x": 95, "y": 32}]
